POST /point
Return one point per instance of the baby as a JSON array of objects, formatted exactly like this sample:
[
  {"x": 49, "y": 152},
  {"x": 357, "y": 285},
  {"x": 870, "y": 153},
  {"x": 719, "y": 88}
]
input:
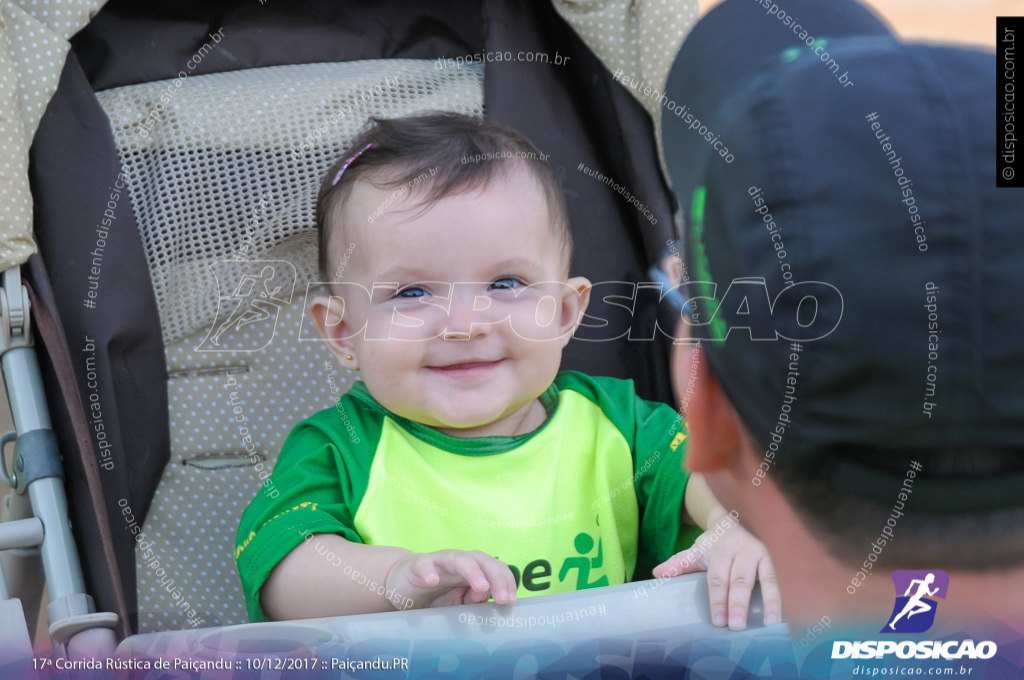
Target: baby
[{"x": 465, "y": 466}]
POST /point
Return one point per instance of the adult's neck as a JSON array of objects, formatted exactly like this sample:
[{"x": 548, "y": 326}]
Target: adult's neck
[{"x": 815, "y": 584}]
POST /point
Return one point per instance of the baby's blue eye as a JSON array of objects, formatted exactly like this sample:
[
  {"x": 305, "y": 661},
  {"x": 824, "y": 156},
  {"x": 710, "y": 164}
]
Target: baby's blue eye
[
  {"x": 506, "y": 283},
  {"x": 411, "y": 292}
]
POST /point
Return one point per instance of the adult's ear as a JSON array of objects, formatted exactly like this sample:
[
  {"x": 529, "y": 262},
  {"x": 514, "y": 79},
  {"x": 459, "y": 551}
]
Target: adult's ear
[
  {"x": 716, "y": 432},
  {"x": 575, "y": 299},
  {"x": 335, "y": 327}
]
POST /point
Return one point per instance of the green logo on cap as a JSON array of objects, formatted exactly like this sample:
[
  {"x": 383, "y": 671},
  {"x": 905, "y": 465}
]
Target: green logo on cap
[
  {"x": 791, "y": 53},
  {"x": 700, "y": 261}
]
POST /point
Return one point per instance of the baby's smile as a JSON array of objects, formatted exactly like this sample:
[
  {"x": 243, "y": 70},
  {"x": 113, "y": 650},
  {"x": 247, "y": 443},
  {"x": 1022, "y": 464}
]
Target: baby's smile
[{"x": 471, "y": 304}]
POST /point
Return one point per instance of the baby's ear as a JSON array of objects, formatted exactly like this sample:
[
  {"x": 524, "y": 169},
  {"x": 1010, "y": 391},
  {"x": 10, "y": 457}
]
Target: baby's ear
[
  {"x": 329, "y": 317},
  {"x": 575, "y": 298}
]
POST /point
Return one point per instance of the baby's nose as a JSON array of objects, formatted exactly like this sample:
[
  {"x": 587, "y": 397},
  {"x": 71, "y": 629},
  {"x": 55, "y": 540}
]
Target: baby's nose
[
  {"x": 468, "y": 314},
  {"x": 457, "y": 335}
]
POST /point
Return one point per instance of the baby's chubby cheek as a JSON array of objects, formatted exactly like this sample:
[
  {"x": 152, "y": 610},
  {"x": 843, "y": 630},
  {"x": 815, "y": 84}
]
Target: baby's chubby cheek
[
  {"x": 386, "y": 361},
  {"x": 540, "y": 363}
]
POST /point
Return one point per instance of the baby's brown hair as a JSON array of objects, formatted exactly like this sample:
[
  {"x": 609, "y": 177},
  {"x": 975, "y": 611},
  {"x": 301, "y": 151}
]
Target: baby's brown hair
[{"x": 439, "y": 155}]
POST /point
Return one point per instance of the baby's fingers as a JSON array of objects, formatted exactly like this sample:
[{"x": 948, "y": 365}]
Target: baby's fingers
[
  {"x": 465, "y": 568},
  {"x": 719, "y": 573},
  {"x": 770, "y": 594},
  {"x": 503, "y": 584},
  {"x": 423, "y": 572},
  {"x": 741, "y": 584}
]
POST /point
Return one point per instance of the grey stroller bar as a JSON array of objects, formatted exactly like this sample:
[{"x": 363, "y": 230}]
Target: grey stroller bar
[{"x": 37, "y": 472}]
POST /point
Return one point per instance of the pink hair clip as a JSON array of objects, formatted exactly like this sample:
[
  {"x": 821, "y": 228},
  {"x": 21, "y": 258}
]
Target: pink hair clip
[{"x": 348, "y": 162}]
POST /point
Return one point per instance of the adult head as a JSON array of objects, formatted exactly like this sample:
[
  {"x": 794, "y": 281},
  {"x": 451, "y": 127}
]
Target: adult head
[{"x": 882, "y": 426}]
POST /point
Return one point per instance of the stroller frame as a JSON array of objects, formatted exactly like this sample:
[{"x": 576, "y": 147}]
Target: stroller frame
[{"x": 38, "y": 476}]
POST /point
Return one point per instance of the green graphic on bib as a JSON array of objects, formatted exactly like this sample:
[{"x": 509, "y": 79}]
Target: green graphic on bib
[{"x": 584, "y": 544}]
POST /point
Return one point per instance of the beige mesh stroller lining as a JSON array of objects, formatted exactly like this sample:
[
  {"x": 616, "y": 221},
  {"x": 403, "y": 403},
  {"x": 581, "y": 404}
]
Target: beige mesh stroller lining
[
  {"x": 227, "y": 167},
  {"x": 222, "y": 157}
]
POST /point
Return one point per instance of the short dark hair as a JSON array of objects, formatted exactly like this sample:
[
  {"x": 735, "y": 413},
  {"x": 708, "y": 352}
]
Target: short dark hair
[
  {"x": 439, "y": 155},
  {"x": 847, "y": 524}
]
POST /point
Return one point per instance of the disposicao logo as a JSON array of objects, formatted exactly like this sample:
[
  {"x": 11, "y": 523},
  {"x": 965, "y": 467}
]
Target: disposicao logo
[
  {"x": 914, "y": 612},
  {"x": 919, "y": 587}
]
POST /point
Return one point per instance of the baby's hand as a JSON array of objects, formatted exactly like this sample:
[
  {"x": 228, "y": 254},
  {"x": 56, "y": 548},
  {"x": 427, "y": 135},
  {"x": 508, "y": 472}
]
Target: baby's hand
[
  {"x": 448, "y": 577},
  {"x": 733, "y": 559}
]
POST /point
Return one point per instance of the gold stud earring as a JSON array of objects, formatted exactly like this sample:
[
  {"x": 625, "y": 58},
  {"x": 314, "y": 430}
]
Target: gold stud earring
[{"x": 349, "y": 357}]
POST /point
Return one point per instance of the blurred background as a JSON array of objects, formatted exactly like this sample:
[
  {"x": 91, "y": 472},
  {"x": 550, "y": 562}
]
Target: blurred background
[{"x": 971, "y": 22}]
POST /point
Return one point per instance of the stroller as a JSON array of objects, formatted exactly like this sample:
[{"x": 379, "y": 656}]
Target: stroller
[{"x": 173, "y": 176}]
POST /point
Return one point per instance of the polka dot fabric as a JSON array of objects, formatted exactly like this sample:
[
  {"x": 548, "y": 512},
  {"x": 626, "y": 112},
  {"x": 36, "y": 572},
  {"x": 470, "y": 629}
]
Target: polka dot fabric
[
  {"x": 216, "y": 400},
  {"x": 639, "y": 38},
  {"x": 33, "y": 46},
  {"x": 230, "y": 171}
]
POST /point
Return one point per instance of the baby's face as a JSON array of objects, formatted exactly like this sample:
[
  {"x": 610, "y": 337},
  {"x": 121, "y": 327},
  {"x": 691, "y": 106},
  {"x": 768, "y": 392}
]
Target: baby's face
[{"x": 467, "y": 305}]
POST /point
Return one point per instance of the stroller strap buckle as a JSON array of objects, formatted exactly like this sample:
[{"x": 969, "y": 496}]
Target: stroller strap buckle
[{"x": 36, "y": 456}]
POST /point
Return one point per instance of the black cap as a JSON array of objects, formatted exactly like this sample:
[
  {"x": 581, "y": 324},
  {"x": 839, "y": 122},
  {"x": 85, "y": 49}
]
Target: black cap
[{"x": 859, "y": 184}]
